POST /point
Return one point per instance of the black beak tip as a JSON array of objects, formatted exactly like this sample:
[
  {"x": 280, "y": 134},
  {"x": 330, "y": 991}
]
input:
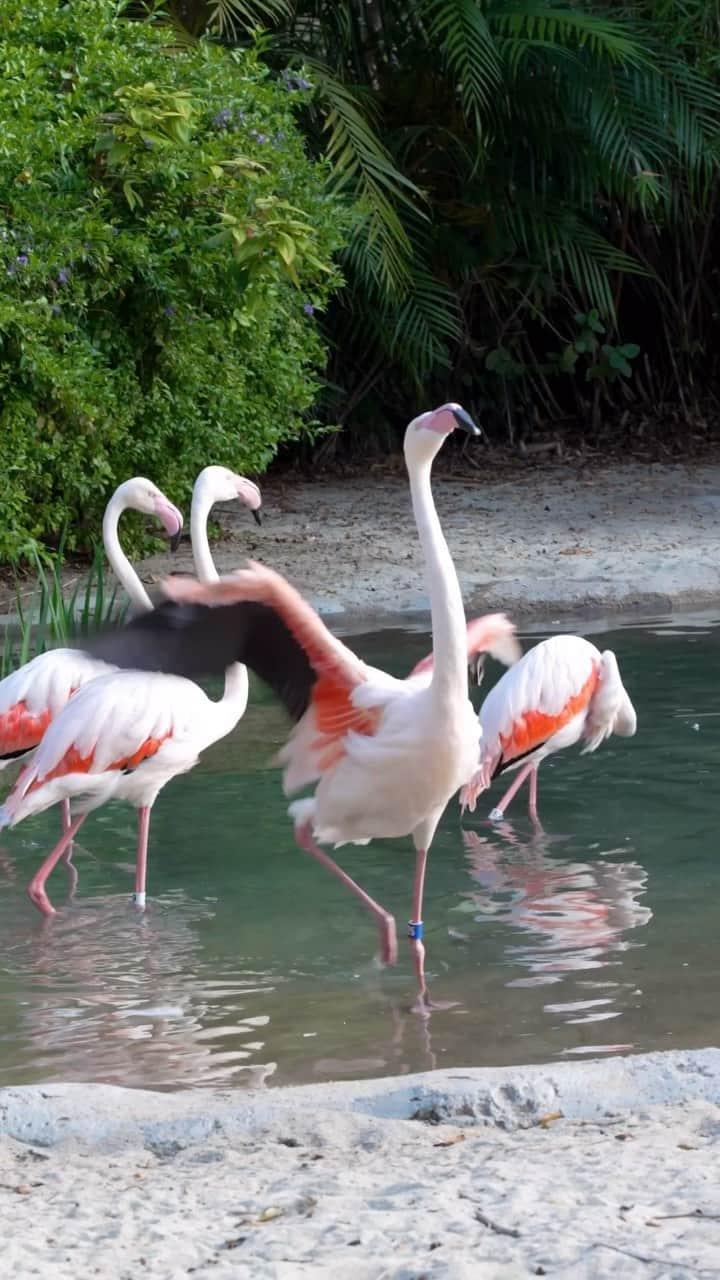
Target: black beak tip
[
  {"x": 256, "y": 516},
  {"x": 175, "y": 540},
  {"x": 465, "y": 422}
]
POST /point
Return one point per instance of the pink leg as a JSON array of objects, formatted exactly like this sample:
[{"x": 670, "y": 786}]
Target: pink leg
[
  {"x": 499, "y": 811},
  {"x": 66, "y": 825},
  {"x": 423, "y": 1003},
  {"x": 532, "y": 799},
  {"x": 415, "y": 930},
  {"x": 388, "y": 935},
  {"x": 141, "y": 860},
  {"x": 36, "y": 888}
]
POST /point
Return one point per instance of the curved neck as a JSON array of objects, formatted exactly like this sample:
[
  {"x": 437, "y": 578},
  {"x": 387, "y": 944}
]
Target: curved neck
[
  {"x": 235, "y": 694},
  {"x": 202, "y": 505},
  {"x": 446, "y": 606},
  {"x": 121, "y": 566}
]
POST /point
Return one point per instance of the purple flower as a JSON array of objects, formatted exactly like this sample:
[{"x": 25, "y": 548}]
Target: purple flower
[
  {"x": 261, "y": 137},
  {"x": 148, "y": 142},
  {"x": 170, "y": 310},
  {"x": 22, "y": 259},
  {"x": 63, "y": 276},
  {"x": 56, "y": 310},
  {"x": 223, "y": 118},
  {"x": 309, "y": 309},
  {"x": 302, "y": 84}
]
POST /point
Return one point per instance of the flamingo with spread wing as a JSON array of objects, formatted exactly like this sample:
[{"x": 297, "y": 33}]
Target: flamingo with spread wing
[{"x": 386, "y": 754}]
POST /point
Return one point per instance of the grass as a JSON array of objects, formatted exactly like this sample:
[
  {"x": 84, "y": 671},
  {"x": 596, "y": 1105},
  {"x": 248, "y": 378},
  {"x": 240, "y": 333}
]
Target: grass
[{"x": 50, "y": 619}]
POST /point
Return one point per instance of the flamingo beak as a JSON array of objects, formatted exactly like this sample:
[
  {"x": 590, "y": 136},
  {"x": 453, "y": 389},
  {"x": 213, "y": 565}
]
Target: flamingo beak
[
  {"x": 465, "y": 422},
  {"x": 256, "y": 516},
  {"x": 172, "y": 522}
]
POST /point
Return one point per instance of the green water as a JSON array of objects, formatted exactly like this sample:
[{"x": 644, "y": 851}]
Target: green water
[{"x": 252, "y": 963}]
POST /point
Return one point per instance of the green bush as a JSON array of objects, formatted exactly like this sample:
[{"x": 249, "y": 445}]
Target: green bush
[{"x": 164, "y": 242}]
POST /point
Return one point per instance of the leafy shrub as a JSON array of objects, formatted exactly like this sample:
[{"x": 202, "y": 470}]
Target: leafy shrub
[{"x": 164, "y": 242}]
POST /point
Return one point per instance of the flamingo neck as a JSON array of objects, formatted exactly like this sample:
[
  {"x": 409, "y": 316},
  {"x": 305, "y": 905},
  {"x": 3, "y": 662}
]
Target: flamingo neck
[
  {"x": 449, "y": 676},
  {"x": 202, "y": 505},
  {"x": 235, "y": 694},
  {"x": 119, "y": 562}
]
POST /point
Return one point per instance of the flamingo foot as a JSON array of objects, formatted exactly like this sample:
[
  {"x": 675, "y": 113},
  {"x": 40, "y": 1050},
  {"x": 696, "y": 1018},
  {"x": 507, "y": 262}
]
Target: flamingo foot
[
  {"x": 424, "y": 1005},
  {"x": 496, "y": 815},
  {"x": 39, "y": 898},
  {"x": 470, "y": 793}
]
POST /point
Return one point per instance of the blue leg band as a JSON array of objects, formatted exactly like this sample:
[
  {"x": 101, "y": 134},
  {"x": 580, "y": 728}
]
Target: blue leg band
[{"x": 415, "y": 930}]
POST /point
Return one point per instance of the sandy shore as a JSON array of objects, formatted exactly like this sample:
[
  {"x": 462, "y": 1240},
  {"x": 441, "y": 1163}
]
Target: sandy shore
[
  {"x": 597, "y": 1169},
  {"x": 552, "y": 542}
]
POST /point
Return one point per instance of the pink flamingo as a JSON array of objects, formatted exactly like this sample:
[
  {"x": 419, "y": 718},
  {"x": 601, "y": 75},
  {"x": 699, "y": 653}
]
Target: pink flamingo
[
  {"x": 32, "y": 696},
  {"x": 126, "y": 734},
  {"x": 559, "y": 692},
  {"x": 387, "y": 754}
]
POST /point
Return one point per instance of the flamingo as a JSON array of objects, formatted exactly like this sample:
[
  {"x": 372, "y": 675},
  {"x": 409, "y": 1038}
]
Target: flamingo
[
  {"x": 387, "y": 754},
  {"x": 33, "y": 695},
  {"x": 560, "y": 691},
  {"x": 127, "y": 733}
]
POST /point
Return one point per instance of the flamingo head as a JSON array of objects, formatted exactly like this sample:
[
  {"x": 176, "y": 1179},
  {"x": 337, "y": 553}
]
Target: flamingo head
[
  {"x": 426, "y": 434},
  {"x": 144, "y": 496},
  {"x": 222, "y": 485}
]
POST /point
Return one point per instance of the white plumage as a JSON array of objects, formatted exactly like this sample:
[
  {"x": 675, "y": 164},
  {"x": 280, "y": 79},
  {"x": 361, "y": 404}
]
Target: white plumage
[{"x": 561, "y": 691}]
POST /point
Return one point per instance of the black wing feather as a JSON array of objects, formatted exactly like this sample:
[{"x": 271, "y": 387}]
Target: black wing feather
[{"x": 197, "y": 640}]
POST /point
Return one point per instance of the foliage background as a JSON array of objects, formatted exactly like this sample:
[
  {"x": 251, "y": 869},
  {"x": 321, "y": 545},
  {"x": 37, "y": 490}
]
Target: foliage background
[
  {"x": 164, "y": 240},
  {"x": 538, "y": 180}
]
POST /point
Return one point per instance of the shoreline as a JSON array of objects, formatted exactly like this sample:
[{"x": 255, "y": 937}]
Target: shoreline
[{"x": 571, "y": 1169}]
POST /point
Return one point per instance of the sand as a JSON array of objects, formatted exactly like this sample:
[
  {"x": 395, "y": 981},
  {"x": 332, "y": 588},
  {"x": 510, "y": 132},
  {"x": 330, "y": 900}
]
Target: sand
[
  {"x": 556, "y": 542},
  {"x": 580, "y": 1170}
]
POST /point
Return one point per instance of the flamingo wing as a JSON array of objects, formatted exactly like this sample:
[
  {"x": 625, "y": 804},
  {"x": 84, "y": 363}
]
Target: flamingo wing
[
  {"x": 34, "y": 694},
  {"x": 256, "y": 617}
]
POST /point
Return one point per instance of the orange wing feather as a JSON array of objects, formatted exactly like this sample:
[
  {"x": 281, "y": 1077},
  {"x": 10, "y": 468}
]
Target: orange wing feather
[{"x": 533, "y": 728}]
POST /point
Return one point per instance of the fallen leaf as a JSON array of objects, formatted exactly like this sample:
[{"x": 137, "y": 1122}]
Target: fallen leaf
[{"x": 545, "y": 1121}]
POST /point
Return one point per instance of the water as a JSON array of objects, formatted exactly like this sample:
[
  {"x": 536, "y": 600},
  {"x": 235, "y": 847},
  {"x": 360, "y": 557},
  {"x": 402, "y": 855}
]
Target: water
[{"x": 251, "y": 963}]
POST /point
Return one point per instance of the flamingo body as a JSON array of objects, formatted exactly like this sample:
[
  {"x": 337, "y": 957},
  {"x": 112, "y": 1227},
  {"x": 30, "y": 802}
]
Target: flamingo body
[
  {"x": 32, "y": 696},
  {"x": 125, "y": 734},
  {"x": 561, "y": 691}
]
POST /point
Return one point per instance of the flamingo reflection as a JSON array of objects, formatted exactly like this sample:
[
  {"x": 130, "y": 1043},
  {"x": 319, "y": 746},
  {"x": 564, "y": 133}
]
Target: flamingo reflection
[{"x": 578, "y": 912}]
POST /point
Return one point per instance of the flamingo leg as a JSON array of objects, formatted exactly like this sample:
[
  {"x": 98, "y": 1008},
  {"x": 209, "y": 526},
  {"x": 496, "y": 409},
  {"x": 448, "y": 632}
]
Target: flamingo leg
[
  {"x": 141, "y": 860},
  {"x": 386, "y": 922},
  {"x": 499, "y": 811},
  {"x": 66, "y": 825},
  {"x": 36, "y": 887},
  {"x": 532, "y": 798},
  {"x": 415, "y": 929},
  {"x": 423, "y": 1004}
]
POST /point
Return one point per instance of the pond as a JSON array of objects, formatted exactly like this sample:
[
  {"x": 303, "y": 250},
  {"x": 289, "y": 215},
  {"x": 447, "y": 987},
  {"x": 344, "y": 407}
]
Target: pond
[{"x": 596, "y": 935}]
